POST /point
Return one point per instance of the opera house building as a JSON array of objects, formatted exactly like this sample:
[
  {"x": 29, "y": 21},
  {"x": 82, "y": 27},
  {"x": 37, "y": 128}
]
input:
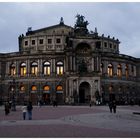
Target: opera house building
[{"x": 71, "y": 65}]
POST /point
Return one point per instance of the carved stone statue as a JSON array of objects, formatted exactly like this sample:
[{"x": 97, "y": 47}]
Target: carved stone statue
[
  {"x": 82, "y": 66},
  {"x": 61, "y": 21},
  {"x": 80, "y": 22}
]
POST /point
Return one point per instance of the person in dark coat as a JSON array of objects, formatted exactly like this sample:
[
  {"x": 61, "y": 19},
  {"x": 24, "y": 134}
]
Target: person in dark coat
[
  {"x": 7, "y": 108},
  {"x": 29, "y": 110},
  {"x": 114, "y": 106},
  {"x": 110, "y": 106}
]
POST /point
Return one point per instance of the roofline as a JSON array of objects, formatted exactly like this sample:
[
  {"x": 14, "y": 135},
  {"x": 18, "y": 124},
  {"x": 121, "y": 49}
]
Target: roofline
[{"x": 54, "y": 26}]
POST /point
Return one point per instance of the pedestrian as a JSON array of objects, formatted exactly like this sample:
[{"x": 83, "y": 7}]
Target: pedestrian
[
  {"x": 39, "y": 103},
  {"x": 24, "y": 111},
  {"x": 114, "y": 106},
  {"x": 54, "y": 103},
  {"x": 90, "y": 103},
  {"x": 7, "y": 109},
  {"x": 10, "y": 104},
  {"x": 110, "y": 106},
  {"x": 29, "y": 110}
]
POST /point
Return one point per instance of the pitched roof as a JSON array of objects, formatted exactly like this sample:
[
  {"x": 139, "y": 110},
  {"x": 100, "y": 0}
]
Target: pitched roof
[{"x": 50, "y": 27}]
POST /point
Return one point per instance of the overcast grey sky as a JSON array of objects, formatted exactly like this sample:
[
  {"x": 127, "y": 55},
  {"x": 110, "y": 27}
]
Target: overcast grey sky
[{"x": 119, "y": 20}]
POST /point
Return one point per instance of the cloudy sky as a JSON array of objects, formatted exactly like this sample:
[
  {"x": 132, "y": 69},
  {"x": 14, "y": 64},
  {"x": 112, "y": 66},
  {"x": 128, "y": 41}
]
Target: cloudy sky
[{"x": 119, "y": 20}]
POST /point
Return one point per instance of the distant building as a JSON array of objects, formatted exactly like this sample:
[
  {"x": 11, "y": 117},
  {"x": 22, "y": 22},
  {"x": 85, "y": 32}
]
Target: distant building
[{"x": 71, "y": 65}]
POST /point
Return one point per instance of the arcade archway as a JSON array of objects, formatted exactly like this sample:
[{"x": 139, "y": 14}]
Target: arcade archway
[{"x": 84, "y": 92}]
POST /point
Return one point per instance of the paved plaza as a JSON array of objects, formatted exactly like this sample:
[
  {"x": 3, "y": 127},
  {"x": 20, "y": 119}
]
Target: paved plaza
[{"x": 72, "y": 122}]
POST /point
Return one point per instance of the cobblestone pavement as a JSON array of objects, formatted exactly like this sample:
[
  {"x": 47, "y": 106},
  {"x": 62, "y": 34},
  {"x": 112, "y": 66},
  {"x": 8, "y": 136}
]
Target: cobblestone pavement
[{"x": 72, "y": 122}]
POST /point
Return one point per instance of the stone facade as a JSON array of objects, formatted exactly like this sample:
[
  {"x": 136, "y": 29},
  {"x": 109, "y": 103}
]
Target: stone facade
[{"x": 71, "y": 65}]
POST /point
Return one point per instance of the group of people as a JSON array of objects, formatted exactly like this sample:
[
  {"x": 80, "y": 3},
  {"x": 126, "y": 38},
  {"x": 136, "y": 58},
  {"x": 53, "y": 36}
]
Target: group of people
[
  {"x": 27, "y": 109},
  {"x": 112, "y": 106}
]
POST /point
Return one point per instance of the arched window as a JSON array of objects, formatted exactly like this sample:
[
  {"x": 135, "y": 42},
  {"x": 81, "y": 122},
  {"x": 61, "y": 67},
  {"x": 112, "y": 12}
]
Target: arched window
[
  {"x": 22, "y": 88},
  {"x": 34, "y": 68},
  {"x": 34, "y": 88},
  {"x": 12, "y": 69},
  {"x": 126, "y": 71},
  {"x": 59, "y": 89},
  {"x": 119, "y": 71},
  {"x": 60, "y": 68},
  {"x": 110, "y": 70},
  {"x": 22, "y": 69},
  {"x": 46, "y": 88},
  {"x": 47, "y": 68}
]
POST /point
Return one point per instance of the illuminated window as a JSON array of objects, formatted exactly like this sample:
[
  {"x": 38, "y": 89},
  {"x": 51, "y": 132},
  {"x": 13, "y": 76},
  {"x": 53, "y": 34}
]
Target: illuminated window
[
  {"x": 34, "y": 88},
  {"x": 22, "y": 88},
  {"x": 46, "y": 88},
  {"x": 34, "y": 68},
  {"x": 47, "y": 68},
  {"x": 126, "y": 71},
  {"x": 12, "y": 69},
  {"x": 110, "y": 70},
  {"x": 119, "y": 71},
  {"x": 23, "y": 69},
  {"x": 60, "y": 68},
  {"x": 59, "y": 88}
]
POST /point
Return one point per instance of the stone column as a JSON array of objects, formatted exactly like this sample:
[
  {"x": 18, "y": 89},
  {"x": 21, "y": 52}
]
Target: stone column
[
  {"x": 92, "y": 64},
  {"x": 7, "y": 68},
  {"x": 66, "y": 63},
  {"x": 40, "y": 67},
  {"x": 74, "y": 64},
  {"x": 123, "y": 69},
  {"x": 70, "y": 63},
  {"x": 53, "y": 66},
  {"x": 28, "y": 67},
  {"x": 97, "y": 61},
  {"x": 114, "y": 64},
  {"x": 17, "y": 68}
]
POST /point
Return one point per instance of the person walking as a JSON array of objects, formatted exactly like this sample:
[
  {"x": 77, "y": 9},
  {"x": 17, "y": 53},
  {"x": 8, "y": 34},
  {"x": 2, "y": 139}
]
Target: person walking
[
  {"x": 110, "y": 106},
  {"x": 114, "y": 106},
  {"x": 90, "y": 103},
  {"x": 24, "y": 111},
  {"x": 39, "y": 103},
  {"x": 7, "y": 109},
  {"x": 29, "y": 110}
]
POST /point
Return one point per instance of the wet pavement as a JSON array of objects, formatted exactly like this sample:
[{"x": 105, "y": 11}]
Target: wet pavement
[{"x": 72, "y": 122}]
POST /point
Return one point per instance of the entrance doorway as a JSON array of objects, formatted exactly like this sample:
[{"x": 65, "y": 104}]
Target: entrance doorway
[
  {"x": 84, "y": 92},
  {"x": 81, "y": 95},
  {"x": 46, "y": 98}
]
